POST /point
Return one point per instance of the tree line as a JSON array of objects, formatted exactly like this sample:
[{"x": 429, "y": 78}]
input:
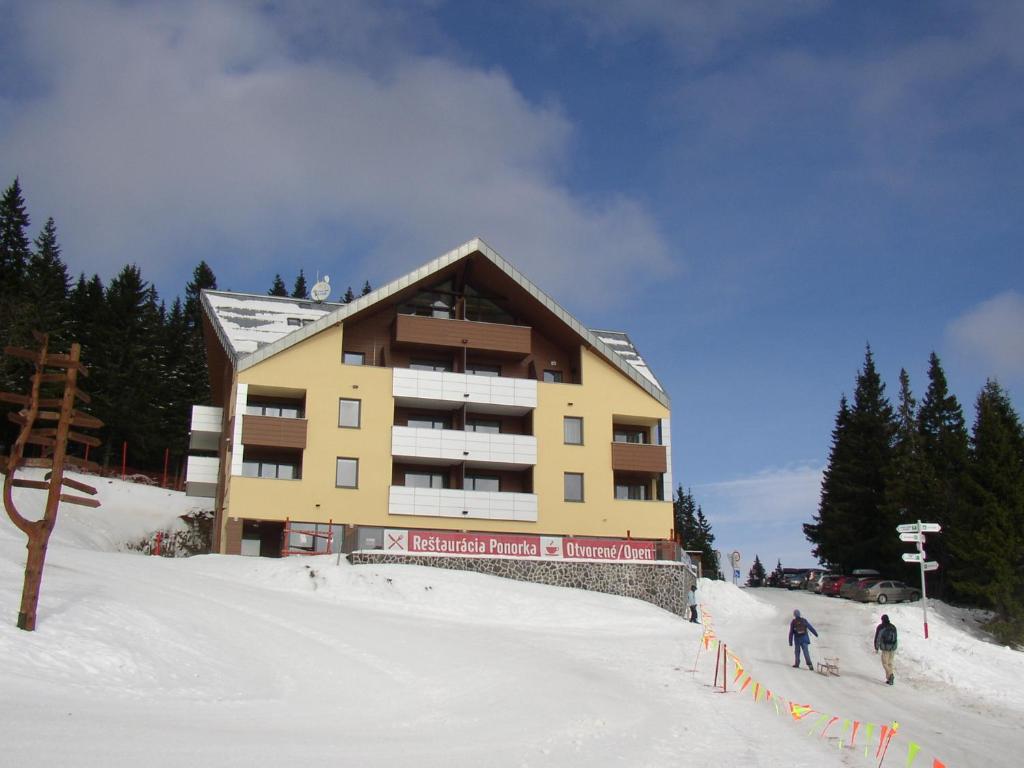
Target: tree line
[
  {"x": 890, "y": 465},
  {"x": 694, "y": 531},
  {"x": 147, "y": 361}
]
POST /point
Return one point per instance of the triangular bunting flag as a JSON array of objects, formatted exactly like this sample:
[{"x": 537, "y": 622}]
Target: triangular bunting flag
[
  {"x": 825, "y": 729},
  {"x": 799, "y": 710},
  {"x": 936, "y": 763},
  {"x": 912, "y": 750},
  {"x": 745, "y": 684}
]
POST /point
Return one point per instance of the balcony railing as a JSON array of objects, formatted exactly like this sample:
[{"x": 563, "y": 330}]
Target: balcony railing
[
  {"x": 495, "y": 393},
  {"x": 273, "y": 431},
  {"x": 499, "y": 338},
  {"x": 456, "y": 445},
  {"x": 201, "y": 476},
  {"x": 205, "y": 428},
  {"x": 450, "y": 503},
  {"x": 636, "y": 457}
]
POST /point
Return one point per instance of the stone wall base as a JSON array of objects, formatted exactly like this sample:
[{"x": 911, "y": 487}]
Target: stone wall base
[{"x": 663, "y": 583}]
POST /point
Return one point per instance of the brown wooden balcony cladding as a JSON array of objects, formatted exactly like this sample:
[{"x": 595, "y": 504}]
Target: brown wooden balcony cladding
[
  {"x": 635, "y": 457},
  {"x": 273, "y": 431},
  {"x": 440, "y": 332}
]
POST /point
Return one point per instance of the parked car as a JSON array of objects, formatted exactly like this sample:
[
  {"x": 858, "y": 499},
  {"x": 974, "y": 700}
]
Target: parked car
[
  {"x": 854, "y": 586},
  {"x": 794, "y": 580},
  {"x": 888, "y": 592},
  {"x": 825, "y": 583},
  {"x": 834, "y": 585},
  {"x": 812, "y": 581}
]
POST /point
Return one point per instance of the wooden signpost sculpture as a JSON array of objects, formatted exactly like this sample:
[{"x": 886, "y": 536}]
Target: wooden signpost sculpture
[{"x": 54, "y": 440}]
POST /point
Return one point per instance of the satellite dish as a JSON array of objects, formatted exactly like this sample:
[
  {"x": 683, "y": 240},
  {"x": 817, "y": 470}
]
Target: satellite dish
[{"x": 321, "y": 290}]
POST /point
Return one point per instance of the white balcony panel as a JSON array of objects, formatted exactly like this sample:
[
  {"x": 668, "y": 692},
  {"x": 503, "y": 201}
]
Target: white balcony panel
[
  {"x": 441, "y": 388},
  {"x": 205, "y": 428},
  {"x": 449, "y": 503},
  {"x": 201, "y": 476},
  {"x": 456, "y": 445}
]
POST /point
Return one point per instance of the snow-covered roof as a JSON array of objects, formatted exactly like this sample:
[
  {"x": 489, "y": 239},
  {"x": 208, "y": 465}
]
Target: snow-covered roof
[
  {"x": 623, "y": 346},
  {"x": 247, "y": 322},
  {"x": 253, "y": 328}
]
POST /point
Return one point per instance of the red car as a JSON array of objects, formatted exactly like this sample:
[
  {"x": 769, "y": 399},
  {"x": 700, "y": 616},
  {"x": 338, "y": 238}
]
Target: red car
[{"x": 832, "y": 586}]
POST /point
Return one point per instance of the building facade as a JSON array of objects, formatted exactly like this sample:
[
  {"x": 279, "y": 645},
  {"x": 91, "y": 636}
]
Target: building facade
[{"x": 459, "y": 398}]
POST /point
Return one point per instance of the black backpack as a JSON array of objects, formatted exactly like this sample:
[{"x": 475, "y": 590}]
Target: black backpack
[
  {"x": 887, "y": 638},
  {"x": 800, "y": 625}
]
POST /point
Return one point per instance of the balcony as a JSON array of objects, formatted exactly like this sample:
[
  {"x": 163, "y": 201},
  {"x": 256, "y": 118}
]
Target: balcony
[
  {"x": 273, "y": 432},
  {"x": 476, "y": 448},
  {"x": 496, "y": 338},
  {"x": 205, "y": 429},
  {"x": 639, "y": 458},
  {"x": 444, "y": 391},
  {"x": 201, "y": 476},
  {"x": 472, "y": 505}
]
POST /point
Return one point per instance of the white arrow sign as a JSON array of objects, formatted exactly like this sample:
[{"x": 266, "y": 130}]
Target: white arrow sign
[
  {"x": 912, "y": 557},
  {"x": 907, "y": 528},
  {"x": 930, "y": 527},
  {"x": 930, "y": 565},
  {"x": 915, "y": 528},
  {"x": 911, "y": 537}
]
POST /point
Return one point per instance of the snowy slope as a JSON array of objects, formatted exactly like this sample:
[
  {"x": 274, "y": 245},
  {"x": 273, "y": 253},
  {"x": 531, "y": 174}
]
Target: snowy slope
[{"x": 235, "y": 661}]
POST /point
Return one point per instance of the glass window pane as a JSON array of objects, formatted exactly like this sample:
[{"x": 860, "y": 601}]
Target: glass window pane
[
  {"x": 429, "y": 365},
  {"x": 573, "y": 486},
  {"x": 353, "y": 358},
  {"x": 479, "y": 369},
  {"x": 289, "y": 412},
  {"x": 286, "y": 472},
  {"x": 484, "y": 425},
  {"x": 250, "y": 469},
  {"x": 554, "y": 377},
  {"x": 347, "y": 474},
  {"x": 348, "y": 413},
  {"x": 482, "y": 483},
  {"x": 267, "y": 469},
  {"x": 425, "y": 422},
  {"x": 573, "y": 427}
]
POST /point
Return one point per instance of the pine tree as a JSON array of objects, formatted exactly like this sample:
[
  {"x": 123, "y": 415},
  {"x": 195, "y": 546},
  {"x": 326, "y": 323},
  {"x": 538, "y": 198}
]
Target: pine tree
[
  {"x": 196, "y": 377},
  {"x": 778, "y": 575},
  {"x": 366, "y": 288},
  {"x": 852, "y": 527},
  {"x": 907, "y": 480},
  {"x": 300, "y": 291},
  {"x": 278, "y": 288},
  {"x": 706, "y": 539},
  {"x": 684, "y": 516},
  {"x": 944, "y": 450},
  {"x": 15, "y": 322},
  {"x": 987, "y": 549},
  {"x": 47, "y": 286},
  {"x": 14, "y": 247},
  {"x": 756, "y": 576},
  {"x": 349, "y": 297}
]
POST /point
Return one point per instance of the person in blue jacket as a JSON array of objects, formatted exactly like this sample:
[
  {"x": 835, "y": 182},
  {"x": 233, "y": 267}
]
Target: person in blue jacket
[{"x": 800, "y": 631}]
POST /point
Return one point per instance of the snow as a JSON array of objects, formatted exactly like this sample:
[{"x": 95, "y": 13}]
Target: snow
[
  {"x": 250, "y": 322},
  {"x": 231, "y": 661}
]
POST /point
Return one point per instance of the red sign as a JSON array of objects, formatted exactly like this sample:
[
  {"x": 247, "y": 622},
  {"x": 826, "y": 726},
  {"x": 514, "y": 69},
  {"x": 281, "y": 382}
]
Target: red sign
[
  {"x": 513, "y": 545},
  {"x": 607, "y": 549}
]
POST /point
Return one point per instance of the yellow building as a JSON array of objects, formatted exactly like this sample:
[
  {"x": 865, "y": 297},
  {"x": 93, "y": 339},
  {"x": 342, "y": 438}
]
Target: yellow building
[{"x": 457, "y": 398}]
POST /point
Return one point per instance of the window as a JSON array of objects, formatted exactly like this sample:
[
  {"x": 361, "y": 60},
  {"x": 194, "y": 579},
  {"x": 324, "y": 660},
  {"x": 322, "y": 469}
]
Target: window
[
  {"x": 347, "y": 473},
  {"x": 349, "y": 412},
  {"x": 429, "y": 365},
  {"x": 572, "y": 428},
  {"x": 553, "y": 377},
  {"x": 434, "y": 303},
  {"x": 427, "y": 422},
  {"x": 353, "y": 358},
  {"x": 270, "y": 469},
  {"x": 482, "y": 483},
  {"x": 483, "y": 369},
  {"x": 425, "y": 480},
  {"x": 299, "y": 321},
  {"x": 631, "y": 491},
  {"x": 284, "y": 410},
  {"x": 573, "y": 486},
  {"x": 314, "y": 538},
  {"x": 490, "y": 426},
  {"x": 630, "y": 435}
]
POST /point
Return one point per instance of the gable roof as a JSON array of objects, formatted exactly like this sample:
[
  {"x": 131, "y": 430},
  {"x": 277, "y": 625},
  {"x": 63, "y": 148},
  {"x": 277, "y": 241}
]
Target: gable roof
[{"x": 252, "y": 328}]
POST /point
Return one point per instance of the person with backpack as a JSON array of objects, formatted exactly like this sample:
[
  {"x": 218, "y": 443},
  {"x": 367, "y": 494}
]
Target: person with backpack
[
  {"x": 691, "y": 602},
  {"x": 886, "y": 641},
  {"x": 800, "y": 631}
]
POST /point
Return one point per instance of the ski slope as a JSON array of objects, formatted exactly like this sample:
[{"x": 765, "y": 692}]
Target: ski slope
[{"x": 229, "y": 661}]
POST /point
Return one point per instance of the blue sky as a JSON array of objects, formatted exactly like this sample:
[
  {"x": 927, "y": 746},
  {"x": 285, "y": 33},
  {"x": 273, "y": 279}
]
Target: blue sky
[{"x": 752, "y": 190}]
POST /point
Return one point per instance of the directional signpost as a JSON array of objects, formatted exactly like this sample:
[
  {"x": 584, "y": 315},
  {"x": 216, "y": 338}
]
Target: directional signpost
[{"x": 915, "y": 532}]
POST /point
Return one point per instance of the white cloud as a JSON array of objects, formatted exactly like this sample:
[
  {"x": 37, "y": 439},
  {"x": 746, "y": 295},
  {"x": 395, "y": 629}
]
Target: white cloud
[
  {"x": 993, "y": 334},
  {"x": 165, "y": 133}
]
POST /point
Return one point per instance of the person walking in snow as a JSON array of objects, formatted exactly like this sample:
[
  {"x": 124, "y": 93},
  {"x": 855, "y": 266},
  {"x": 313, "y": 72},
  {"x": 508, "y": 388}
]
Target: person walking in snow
[
  {"x": 800, "y": 631},
  {"x": 886, "y": 640},
  {"x": 691, "y": 601}
]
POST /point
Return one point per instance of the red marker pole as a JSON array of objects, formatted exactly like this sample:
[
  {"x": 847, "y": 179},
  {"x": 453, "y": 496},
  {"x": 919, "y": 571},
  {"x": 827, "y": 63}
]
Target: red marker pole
[
  {"x": 924, "y": 593},
  {"x": 167, "y": 456}
]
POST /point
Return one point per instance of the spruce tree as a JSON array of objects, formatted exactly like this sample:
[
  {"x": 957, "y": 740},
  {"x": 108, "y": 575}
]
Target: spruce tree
[
  {"x": 47, "y": 286},
  {"x": 944, "y": 450},
  {"x": 15, "y": 322},
  {"x": 684, "y": 516},
  {"x": 195, "y": 376},
  {"x": 349, "y": 297},
  {"x": 706, "y": 540},
  {"x": 299, "y": 291},
  {"x": 778, "y": 575},
  {"x": 987, "y": 548},
  {"x": 853, "y": 528},
  {"x": 14, "y": 246},
  {"x": 366, "y": 288},
  {"x": 278, "y": 287},
  {"x": 756, "y": 576}
]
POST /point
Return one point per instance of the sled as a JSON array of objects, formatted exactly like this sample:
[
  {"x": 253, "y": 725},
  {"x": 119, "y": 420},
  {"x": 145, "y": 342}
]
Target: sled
[{"x": 829, "y": 666}]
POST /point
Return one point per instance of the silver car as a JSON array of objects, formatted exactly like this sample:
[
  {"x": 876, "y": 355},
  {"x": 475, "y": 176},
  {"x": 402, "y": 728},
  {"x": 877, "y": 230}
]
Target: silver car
[{"x": 888, "y": 592}]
